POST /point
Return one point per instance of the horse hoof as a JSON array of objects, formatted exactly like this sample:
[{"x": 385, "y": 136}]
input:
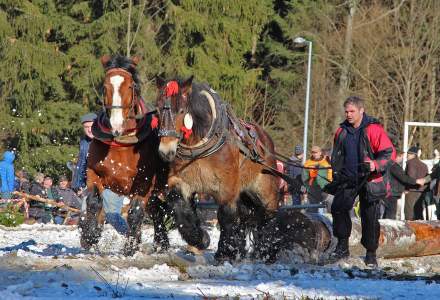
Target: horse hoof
[
  {"x": 85, "y": 244},
  {"x": 206, "y": 240},
  {"x": 130, "y": 251},
  {"x": 161, "y": 247}
]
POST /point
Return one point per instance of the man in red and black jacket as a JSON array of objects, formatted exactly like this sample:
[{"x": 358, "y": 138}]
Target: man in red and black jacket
[{"x": 362, "y": 152}]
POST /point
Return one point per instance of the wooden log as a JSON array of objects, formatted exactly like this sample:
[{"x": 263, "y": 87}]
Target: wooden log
[
  {"x": 401, "y": 238},
  {"x": 397, "y": 238},
  {"x": 48, "y": 201}
]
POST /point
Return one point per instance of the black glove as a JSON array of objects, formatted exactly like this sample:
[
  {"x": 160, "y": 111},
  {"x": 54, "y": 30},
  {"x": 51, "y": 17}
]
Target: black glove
[
  {"x": 435, "y": 173},
  {"x": 332, "y": 187}
]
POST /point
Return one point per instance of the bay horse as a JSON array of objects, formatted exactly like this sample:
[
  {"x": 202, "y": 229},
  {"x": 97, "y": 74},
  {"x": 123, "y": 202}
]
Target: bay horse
[
  {"x": 123, "y": 157},
  {"x": 206, "y": 149}
]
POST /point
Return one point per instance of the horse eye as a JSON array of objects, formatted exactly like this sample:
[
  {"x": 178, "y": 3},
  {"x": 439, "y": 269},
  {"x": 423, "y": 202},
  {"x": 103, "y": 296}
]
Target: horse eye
[{"x": 181, "y": 111}]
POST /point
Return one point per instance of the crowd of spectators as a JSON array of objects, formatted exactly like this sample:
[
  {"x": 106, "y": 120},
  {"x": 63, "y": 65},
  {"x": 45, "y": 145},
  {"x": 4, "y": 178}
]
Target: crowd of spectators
[{"x": 61, "y": 197}]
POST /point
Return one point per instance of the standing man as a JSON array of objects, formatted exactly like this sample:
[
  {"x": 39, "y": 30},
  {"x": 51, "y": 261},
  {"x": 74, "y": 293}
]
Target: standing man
[
  {"x": 362, "y": 151},
  {"x": 416, "y": 169},
  {"x": 399, "y": 180},
  {"x": 7, "y": 175},
  {"x": 80, "y": 173},
  {"x": 294, "y": 170}
]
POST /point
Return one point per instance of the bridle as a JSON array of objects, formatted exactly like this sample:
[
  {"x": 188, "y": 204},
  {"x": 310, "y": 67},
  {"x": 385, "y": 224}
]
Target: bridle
[
  {"x": 135, "y": 100},
  {"x": 166, "y": 114}
]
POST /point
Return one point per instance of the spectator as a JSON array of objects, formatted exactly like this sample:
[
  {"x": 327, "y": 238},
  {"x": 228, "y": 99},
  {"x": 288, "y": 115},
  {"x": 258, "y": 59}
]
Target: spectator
[
  {"x": 7, "y": 175},
  {"x": 399, "y": 181},
  {"x": 295, "y": 170},
  {"x": 48, "y": 190},
  {"x": 67, "y": 197},
  {"x": 315, "y": 178},
  {"x": 282, "y": 184},
  {"x": 22, "y": 182},
  {"x": 416, "y": 169},
  {"x": 37, "y": 209},
  {"x": 79, "y": 175}
]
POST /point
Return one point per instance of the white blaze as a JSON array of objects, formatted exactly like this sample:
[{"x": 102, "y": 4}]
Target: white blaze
[{"x": 116, "y": 117}]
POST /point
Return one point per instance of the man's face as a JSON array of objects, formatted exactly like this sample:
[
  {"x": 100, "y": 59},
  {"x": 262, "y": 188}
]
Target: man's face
[
  {"x": 399, "y": 158},
  {"x": 63, "y": 184},
  {"x": 47, "y": 183},
  {"x": 316, "y": 154},
  {"x": 87, "y": 126},
  {"x": 353, "y": 114},
  {"x": 411, "y": 156}
]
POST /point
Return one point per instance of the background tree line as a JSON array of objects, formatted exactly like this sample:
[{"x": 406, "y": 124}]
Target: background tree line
[{"x": 386, "y": 51}]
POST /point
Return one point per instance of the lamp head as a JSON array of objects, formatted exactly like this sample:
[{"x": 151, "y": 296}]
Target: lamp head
[{"x": 299, "y": 40}]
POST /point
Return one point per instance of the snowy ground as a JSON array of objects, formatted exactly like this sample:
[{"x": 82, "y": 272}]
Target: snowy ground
[{"x": 46, "y": 262}]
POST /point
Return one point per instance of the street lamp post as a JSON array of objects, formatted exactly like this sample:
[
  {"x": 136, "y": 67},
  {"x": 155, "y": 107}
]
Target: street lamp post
[{"x": 301, "y": 40}]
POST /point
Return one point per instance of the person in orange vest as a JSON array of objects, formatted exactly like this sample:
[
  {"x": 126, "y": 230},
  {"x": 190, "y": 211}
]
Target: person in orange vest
[{"x": 316, "y": 176}]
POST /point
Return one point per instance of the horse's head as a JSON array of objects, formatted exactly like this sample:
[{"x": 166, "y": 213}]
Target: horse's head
[
  {"x": 121, "y": 92},
  {"x": 175, "y": 120}
]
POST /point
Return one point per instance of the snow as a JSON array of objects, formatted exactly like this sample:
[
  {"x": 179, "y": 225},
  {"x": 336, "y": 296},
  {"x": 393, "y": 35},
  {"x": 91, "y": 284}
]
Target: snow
[{"x": 46, "y": 262}]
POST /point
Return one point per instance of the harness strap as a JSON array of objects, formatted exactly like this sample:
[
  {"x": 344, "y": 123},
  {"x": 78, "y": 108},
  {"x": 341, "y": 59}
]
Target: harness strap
[{"x": 214, "y": 139}]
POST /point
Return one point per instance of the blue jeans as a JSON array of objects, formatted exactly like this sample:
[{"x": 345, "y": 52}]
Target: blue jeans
[
  {"x": 112, "y": 203},
  {"x": 58, "y": 220}
]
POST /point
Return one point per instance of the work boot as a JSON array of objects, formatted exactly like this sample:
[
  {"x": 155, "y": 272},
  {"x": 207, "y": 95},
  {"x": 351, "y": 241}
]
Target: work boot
[
  {"x": 341, "y": 251},
  {"x": 370, "y": 259}
]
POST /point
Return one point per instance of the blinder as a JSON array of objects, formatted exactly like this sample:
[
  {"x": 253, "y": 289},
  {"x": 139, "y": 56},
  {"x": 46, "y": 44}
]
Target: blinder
[{"x": 167, "y": 120}]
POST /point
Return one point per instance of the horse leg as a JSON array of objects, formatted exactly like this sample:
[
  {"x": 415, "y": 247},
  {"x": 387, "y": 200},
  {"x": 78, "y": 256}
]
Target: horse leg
[
  {"x": 158, "y": 211},
  {"x": 230, "y": 233},
  {"x": 245, "y": 226},
  {"x": 267, "y": 237},
  {"x": 91, "y": 221},
  {"x": 134, "y": 219},
  {"x": 187, "y": 221}
]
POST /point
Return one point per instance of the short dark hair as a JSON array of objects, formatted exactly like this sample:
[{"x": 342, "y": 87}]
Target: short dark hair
[
  {"x": 48, "y": 178},
  {"x": 354, "y": 100}
]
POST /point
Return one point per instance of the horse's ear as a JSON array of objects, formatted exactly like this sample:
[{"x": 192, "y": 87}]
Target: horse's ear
[
  {"x": 187, "y": 85},
  {"x": 105, "y": 59},
  {"x": 135, "y": 60},
  {"x": 160, "y": 81}
]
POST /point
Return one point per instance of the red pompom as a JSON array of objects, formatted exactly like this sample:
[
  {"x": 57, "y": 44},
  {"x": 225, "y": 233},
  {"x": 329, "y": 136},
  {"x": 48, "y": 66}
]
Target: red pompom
[
  {"x": 154, "y": 122},
  {"x": 172, "y": 88},
  {"x": 186, "y": 132}
]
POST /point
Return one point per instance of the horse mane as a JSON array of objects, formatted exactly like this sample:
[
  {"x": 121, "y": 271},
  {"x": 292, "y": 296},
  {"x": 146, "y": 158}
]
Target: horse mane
[
  {"x": 200, "y": 110},
  {"x": 123, "y": 62}
]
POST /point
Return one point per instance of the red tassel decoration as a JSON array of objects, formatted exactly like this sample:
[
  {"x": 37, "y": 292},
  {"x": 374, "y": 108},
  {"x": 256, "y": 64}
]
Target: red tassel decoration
[
  {"x": 186, "y": 132},
  {"x": 172, "y": 88},
  {"x": 154, "y": 122}
]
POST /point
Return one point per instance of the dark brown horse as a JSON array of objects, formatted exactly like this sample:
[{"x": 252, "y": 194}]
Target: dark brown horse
[
  {"x": 123, "y": 156},
  {"x": 212, "y": 152}
]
